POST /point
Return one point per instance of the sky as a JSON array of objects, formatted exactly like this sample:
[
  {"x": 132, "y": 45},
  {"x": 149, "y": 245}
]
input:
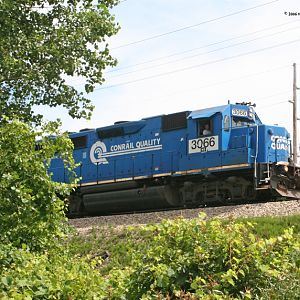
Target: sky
[{"x": 178, "y": 55}]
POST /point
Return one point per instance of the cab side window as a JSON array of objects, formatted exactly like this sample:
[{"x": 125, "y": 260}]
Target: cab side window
[
  {"x": 79, "y": 142},
  {"x": 226, "y": 122},
  {"x": 205, "y": 127}
]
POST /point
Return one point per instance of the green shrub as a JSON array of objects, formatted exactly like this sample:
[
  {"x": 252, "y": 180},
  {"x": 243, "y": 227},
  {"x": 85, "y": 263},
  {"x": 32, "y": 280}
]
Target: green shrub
[
  {"x": 32, "y": 206},
  {"x": 178, "y": 259},
  {"x": 201, "y": 259},
  {"x": 52, "y": 275}
]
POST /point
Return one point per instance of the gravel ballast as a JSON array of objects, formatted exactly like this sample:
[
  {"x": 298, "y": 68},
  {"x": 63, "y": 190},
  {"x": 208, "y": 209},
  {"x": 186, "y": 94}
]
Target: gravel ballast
[{"x": 283, "y": 208}]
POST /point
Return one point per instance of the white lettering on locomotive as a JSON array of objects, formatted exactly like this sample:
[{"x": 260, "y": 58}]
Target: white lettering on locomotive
[
  {"x": 99, "y": 154},
  {"x": 239, "y": 112},
  {"x": 279, "y": 142},
  {"x": 147, "y": 143},
  {"x": 122, "y": 147},
  {"x": 204, "y": 144}
]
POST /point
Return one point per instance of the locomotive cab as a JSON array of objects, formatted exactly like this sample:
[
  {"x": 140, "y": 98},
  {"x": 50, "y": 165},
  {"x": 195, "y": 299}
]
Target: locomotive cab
[
  {"x": 270, "y": 154},
  {"x": 240, "y": 157}
]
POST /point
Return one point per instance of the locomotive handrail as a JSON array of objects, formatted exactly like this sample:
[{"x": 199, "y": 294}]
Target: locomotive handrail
[
  {"x": 276, "y": 139},
  {"x": 80, "y": 173},
  {"x": 255, "y": 157},
  {"x": 97, "y": 174}
]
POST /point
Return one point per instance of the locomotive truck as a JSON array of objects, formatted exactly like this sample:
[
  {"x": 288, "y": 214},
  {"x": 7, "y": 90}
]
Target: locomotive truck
[{"x": 222, "y": 154}]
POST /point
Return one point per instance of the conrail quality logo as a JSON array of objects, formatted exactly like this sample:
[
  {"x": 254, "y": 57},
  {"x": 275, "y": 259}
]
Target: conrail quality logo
[
  {"x": 99, "y": 153},
  {"x": 96, "y": 153}
]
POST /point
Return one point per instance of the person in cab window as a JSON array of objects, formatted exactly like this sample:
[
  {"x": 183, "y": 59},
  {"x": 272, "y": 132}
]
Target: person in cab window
[{"x": 206, "y": 130}]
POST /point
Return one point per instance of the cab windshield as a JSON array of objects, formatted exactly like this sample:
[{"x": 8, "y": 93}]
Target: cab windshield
[{"x": 241, "y": 122}]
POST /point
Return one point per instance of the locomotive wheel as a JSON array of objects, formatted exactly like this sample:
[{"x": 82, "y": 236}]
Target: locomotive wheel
[
  {"x": 76, "y": 206},
  {"x": 199, "y": 200},
  {"x": 226, "y": 197},
  {"x": 250, "y": 193}
]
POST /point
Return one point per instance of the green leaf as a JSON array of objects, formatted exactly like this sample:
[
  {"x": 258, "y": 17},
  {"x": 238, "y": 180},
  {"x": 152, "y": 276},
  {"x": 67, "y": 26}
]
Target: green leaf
[
  {"x": 5, "y": 281},
  {"x": 46, "y": 45}
]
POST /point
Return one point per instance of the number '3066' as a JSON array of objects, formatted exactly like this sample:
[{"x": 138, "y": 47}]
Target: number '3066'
[{"x": 203, "y": 143}]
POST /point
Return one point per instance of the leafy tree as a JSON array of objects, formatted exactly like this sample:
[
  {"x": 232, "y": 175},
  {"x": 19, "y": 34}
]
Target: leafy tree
[
  {"x": 43, "y": 42},
  {"x": 32, "y": 206}
]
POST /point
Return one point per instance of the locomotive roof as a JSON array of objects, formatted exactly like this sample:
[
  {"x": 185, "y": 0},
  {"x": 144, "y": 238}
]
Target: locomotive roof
[
  {"x": 206, "y": 112},
  {"x": 200, "y": 113}
]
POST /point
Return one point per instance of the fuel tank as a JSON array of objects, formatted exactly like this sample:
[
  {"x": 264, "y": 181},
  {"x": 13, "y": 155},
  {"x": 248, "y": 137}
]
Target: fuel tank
[{"x": 135, "y": 199}]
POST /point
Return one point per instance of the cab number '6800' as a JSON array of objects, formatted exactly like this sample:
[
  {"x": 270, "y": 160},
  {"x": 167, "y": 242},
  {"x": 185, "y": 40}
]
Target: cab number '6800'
[{"x": 204, "y": 144}]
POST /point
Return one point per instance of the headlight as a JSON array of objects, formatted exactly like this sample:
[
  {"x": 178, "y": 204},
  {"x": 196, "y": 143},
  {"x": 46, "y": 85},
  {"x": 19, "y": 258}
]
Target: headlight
[{"x": 285, "y": 169}]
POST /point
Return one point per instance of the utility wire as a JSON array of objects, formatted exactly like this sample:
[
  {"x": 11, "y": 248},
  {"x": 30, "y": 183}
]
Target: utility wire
[
  {"x": 199, "y": 65},
  {"x": 211, "y": 51},
  {"x": 198, "y": 48},
  {"x": 272, "y": 95},
  {"x": 194, "y": 25},
  {"x": 213, "y": 84},
  {"x": 203, "y": 53},
  {"x": 273, "y": 104},
  {"x": 219, "y": 82}
]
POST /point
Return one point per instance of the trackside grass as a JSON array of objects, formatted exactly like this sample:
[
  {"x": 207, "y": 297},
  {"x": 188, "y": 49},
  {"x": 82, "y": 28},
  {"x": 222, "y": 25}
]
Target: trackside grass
[
  {"x": 267, "y": 227},
  {"x": 107, "y": 238}
]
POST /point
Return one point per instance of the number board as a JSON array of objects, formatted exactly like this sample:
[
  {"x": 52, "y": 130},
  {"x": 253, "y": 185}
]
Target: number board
[
  {"x": 239, "y": 112},
  {"x": 204, "y": 144}
]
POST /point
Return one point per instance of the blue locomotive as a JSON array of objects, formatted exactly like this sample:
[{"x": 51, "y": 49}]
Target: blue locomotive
[{"x": 186, "y": 159}]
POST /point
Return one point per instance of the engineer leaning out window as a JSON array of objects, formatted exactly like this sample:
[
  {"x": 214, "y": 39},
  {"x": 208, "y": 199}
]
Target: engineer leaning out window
[{"x": 206, "y": 130}]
